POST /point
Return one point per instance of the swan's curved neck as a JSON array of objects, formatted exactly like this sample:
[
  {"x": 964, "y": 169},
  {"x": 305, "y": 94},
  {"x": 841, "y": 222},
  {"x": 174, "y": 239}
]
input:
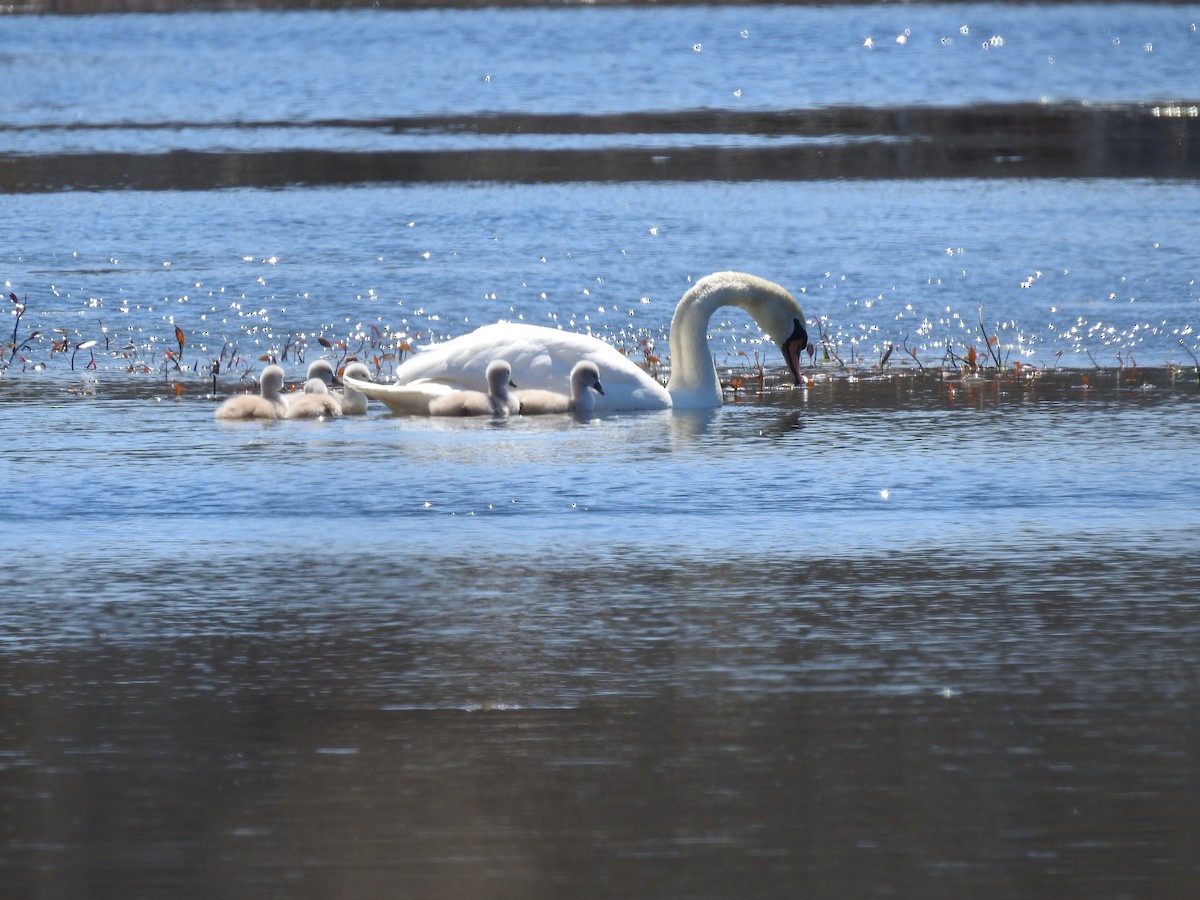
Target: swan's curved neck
[{"x": 694, "y": 382}]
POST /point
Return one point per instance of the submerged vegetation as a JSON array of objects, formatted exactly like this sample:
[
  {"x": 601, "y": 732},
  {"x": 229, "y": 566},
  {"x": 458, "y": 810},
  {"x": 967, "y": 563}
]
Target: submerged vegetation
[{"x": 33, "y": 350}]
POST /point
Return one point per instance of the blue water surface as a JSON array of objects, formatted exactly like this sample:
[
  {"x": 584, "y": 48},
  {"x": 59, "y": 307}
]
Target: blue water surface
[{"x": 907, "y": 630}]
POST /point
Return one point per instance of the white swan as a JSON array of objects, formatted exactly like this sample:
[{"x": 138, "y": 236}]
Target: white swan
[
  {"x": 354, "y": 402},
  {"x": 314, "y": 402},
  {"x": 585, "y": 378},
  {"x": 267, "y": 404},
  {"x": 542, "y": 357}
]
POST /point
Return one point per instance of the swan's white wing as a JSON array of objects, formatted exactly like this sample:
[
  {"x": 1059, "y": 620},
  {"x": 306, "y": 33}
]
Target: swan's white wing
[
  {"x": 405, "y": 399},
  {"x": 541, "y": 358}
]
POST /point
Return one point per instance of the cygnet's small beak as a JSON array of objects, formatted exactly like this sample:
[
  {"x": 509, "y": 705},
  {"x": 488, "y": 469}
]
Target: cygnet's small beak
[
  {"x": 599, "y": 388},
  {"x": 796, "y": 343},
  {"x": 512, "y": 383}
]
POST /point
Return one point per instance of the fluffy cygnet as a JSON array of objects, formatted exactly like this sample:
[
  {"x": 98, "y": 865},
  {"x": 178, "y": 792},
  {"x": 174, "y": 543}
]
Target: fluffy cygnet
[
  {"x": 585, "y": 377},
  {"x": 319, "y": 370},
  {"x": 498, "y": 401},
  {"x": 267, "y": 404},
  {"x": 314, "y": 402},
  {"x": 354, "y": 402}
]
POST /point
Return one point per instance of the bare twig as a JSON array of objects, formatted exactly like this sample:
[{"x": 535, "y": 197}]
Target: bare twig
[
  {"x": 827, "y": 344},
  {"x": 1188, "y": 351},
  {"x": 954, "y": 358},
  {"x": 911, "y": 352},
  {"x": 988, "y": 341}
]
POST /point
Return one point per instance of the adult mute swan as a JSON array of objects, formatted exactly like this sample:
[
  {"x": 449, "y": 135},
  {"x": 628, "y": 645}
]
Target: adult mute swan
[
  {"x": 542, "y": 357},
  {"x": 267, "y": 404},
  {"x": 585, "y": 378}
]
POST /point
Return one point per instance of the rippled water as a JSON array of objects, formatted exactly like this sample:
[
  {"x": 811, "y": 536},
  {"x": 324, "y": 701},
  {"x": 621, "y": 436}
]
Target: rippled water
[
  {"x": 1038, "y": 163},
  {"x": 899, "y": 632},
  {"x": 944, "y": 635},
  {"x": 266, "y": 67},
  {"x": 1067, "y": 273}
]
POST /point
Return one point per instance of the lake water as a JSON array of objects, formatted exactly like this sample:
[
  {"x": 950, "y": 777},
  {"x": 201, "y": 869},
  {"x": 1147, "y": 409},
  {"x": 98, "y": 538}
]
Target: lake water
[{"x": 899, "y": 632}]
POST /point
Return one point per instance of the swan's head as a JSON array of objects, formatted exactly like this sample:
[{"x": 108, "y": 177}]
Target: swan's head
[
  {"x": 315, "y": 386},
  {"x": 771, "y": 305},
  {"x": 587, "y": 375},
  {"x": 795, "y": 344}
]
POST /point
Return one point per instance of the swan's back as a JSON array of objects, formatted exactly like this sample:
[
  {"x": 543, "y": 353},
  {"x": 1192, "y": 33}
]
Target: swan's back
[{"x": 541, "y": 358}]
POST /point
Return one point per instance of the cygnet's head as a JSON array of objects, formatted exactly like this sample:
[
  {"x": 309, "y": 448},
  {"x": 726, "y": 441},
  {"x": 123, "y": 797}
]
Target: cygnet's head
[
  {"x": 499, "y": 377},
  {"x": 357, "y": 370},
  {"x": 322, "y": 369},
  {"x": 586, "y": 375},
  {"x": 271, "y": 381}
]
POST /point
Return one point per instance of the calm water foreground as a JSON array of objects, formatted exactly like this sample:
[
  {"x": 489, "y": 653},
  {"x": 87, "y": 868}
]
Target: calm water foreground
[{"x": 888, "y": 637}]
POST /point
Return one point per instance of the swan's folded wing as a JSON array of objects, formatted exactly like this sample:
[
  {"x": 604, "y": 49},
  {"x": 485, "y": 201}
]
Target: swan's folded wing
[
  {"x": 404, "y": 399},
  {"x": 541, "y": 358},
  {"x": 463, "y": 361}
]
